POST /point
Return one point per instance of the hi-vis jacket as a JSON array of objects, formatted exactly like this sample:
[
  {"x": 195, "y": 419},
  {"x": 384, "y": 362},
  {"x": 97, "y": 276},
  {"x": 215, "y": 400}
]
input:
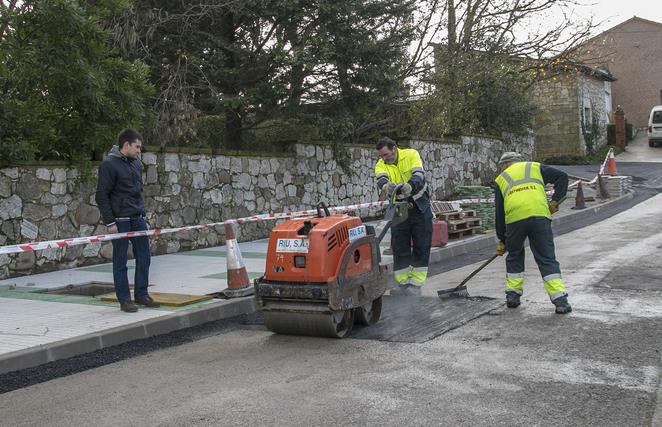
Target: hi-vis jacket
[
  {"x": 407, "y": 168},
  {"x": 520, "y": 193}
]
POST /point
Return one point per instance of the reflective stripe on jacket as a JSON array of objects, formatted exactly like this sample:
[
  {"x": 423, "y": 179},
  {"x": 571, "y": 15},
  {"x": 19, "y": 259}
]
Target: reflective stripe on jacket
[{"x": 523, "y": 191}]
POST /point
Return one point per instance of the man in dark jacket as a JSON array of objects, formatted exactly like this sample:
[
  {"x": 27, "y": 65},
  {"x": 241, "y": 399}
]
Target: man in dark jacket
[{"x": 120, "y": 199}]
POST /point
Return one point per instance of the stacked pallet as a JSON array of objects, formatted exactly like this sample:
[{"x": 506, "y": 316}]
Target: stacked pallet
[
  {"x": 617, "y": 185},
  {"x": 460, "y": 223},
  {"x": 484, "y": 210}
]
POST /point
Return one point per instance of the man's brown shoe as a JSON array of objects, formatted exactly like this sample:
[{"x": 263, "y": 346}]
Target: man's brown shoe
[
  {"x": 128, "y": 307},
  {"x": 148, "y": 302}
]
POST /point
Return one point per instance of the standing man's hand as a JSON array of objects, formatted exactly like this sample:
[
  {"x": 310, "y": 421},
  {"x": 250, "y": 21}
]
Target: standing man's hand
[
  {"x": 111, "y": 229},
  {"x": 553, "y": 206},
  {"x": 387, "y": 191},
  {"x": 405, "y": 190},
  {"x": 500, "y": 248}
]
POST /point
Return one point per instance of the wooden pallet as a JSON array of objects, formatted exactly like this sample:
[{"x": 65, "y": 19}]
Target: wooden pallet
[
  {"x": 464, "y": 224},
  {"x": 459, "y": 234},
  {"x": 456, "y": 215}
]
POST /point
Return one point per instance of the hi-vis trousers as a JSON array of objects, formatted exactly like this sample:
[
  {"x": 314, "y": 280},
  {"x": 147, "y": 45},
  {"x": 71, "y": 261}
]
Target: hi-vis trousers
[
  {"x": 410, "y": 242},
  {"x": 541, "y": 240}
]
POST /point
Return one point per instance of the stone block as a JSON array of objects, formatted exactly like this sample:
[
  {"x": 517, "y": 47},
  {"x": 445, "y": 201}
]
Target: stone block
[
  {"x": 58, "y": 210},
  {"x": 48, "y": 230},
  {"x": 106, "y": 251},
  {"x": 59, "y": 175},
  {"x": 44, "y": 174},
  {"x": 199, "y": 181},
  {"x": 29, "y": 187},
  {"x": 11, "y": 207},
  {"x": 29, "y": 230},
  {"x": 86, "y": 214},
  {"x": 91, "y": 250},
  {"x": 172, "y": 163},
  {"x": 152, "y": 174},
  {"x": 189, "y": 215},
  {"x": 23, "y": 261},
  {"x": 148, "y": 158},
  {"x": 10, "y": 172},
  {"x": 225, "y": 177},
  {"x": 35, "y": 212},
  {"x": 202, "y": 165},
  {"x": 5, "y": 187},
  {"x": 59, "y": 188}
]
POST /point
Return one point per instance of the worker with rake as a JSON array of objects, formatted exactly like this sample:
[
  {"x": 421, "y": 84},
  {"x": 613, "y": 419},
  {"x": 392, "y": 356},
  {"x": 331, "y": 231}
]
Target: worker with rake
[{"x": 522, "y": 211}]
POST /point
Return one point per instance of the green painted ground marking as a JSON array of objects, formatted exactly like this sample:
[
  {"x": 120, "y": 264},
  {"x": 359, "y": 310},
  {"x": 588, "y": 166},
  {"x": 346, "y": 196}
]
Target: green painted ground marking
[
  {"x": 225, "y": 276},
  {"x": 221, "y": 254},
  {"x": 34, "y": 294}
]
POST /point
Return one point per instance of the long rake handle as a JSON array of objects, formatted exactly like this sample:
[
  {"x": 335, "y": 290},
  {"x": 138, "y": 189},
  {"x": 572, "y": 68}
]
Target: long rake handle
[{"x": 483, "y": 265}]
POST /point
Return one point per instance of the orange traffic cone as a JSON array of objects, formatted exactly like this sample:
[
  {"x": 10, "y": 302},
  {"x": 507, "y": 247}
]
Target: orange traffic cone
[
  {"x": 238, "y": 283},
  {"x": 602, "y": 188},
  {"x": 580, "y": 203},
  {"x": 611, "y": 164}
]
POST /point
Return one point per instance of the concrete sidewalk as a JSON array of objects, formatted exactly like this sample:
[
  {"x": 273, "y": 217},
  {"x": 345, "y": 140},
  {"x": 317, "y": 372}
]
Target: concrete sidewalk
[{"x": 38, "y": 327}]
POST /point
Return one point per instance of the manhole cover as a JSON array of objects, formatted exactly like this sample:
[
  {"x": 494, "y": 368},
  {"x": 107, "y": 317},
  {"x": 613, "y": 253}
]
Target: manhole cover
[{"x": 91, "y": 289}]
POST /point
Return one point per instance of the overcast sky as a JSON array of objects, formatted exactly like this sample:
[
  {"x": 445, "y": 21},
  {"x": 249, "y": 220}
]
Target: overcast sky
[{"x": 613, "y": 12}]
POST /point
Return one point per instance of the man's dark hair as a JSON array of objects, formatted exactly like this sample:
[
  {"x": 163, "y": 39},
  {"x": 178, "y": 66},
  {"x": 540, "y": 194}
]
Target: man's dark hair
[
  {"x": 385, "y": 141},
  {"x": 128, "y": 136}
]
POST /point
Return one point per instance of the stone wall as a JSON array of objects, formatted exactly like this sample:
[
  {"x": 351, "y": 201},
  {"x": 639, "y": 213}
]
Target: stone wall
[
  {"x": 557, "y": 126},
  {"x": 558, "y": 123},
  {"x": 45, "y": 203},
  {"x": 592, "y": 101}
]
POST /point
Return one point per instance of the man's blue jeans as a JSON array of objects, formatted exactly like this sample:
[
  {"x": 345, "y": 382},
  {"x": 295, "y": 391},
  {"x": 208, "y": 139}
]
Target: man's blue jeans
[{"x": 140, "y": 252}]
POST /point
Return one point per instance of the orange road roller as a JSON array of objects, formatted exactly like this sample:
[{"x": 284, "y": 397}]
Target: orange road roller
[{"x": 323, "y": 273}]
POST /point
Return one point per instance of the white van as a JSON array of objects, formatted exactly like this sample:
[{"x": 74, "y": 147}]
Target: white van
[{"x": 655, "y": 126}]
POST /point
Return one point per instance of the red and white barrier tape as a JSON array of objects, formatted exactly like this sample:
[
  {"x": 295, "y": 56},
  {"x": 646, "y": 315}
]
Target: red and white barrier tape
[
  {"x": 62, "y": 243},
  {"x": 603, "y": 166}
]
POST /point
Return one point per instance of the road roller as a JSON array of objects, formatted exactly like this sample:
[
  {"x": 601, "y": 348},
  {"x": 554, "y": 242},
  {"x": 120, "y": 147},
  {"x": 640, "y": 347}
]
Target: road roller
[{"x": 323, "y": 273}]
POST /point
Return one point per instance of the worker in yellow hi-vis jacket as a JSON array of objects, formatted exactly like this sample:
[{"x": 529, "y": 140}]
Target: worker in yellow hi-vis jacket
[
  {"x": 522, "y": 211},
  {"x": 400, "y": 171}
]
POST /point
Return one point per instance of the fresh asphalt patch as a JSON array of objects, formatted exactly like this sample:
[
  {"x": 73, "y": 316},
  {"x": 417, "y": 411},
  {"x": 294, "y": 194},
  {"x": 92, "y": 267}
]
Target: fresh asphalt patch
[
  {"x": 417, "y": 320},
  {"x": 409, "y": 319}
]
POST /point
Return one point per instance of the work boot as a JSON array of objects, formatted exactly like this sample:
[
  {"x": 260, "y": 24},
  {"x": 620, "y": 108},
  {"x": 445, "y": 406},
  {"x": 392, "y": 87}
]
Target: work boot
[
  {"x": 148, "y": 302},
  {"x": 562, "y": 305},
  {"x": 128, "y": 307},
  {"x": 512, "y": 299}
]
